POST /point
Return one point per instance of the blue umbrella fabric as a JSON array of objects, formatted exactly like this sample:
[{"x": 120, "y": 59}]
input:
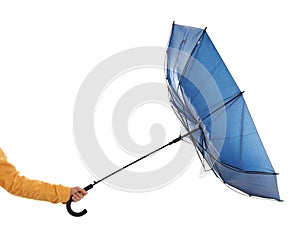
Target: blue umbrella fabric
[{"x": 212, "y": 109}]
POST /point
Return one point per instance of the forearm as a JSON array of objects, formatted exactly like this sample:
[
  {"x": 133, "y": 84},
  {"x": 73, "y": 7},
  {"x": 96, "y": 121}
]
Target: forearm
[
  {"x": 34, "y": 189},
  {"x": 21, "y": 186}
]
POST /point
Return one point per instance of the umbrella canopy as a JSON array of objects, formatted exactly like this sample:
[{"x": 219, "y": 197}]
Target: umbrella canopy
[{"x": 206, "y": 98}]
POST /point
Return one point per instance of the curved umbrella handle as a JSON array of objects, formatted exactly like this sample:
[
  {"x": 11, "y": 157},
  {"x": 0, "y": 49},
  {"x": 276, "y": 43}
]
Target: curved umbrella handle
[{"x": 69, "y": 209}]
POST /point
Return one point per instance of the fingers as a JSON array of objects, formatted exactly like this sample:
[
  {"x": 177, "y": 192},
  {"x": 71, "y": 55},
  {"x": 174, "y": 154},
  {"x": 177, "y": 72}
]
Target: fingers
[
  {"x": 77, "y": 193},
  {"x": 77, "y": 196}
]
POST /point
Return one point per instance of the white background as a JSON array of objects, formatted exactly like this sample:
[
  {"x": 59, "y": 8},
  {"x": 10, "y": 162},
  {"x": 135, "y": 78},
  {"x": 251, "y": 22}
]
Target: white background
[{"x": 47, "y": 50}]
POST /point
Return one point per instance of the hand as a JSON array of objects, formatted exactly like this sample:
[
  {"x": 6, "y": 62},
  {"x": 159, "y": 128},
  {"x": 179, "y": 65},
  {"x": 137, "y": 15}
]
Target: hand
[{"x": 77, "y": 193}]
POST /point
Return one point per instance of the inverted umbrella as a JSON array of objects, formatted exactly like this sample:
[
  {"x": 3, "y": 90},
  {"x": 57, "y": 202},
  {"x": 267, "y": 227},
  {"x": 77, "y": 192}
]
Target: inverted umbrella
[{"x": 212, "y": 109}]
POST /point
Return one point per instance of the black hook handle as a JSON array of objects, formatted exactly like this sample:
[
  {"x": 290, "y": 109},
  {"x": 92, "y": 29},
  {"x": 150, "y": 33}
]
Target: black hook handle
[{"x": 69, "y": 209}]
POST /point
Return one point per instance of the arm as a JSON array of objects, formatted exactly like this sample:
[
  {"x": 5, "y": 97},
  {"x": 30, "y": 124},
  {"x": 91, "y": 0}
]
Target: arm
[{"x": 21, "y": 186}]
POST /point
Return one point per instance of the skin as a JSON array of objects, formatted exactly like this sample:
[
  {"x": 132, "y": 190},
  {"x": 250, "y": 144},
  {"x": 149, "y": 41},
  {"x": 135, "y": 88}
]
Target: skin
[{"x": 77, "y": 193}]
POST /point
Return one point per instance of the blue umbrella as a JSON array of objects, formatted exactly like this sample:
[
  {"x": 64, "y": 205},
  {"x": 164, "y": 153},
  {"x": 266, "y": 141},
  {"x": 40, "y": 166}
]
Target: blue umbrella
[
  {"x": 212, "y": 109},
  {"x": 204, "y": 95}
]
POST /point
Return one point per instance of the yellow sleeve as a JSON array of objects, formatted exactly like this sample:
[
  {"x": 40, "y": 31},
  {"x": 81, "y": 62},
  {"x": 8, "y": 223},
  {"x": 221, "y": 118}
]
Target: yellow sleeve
[{"x": 21, "y": 186}]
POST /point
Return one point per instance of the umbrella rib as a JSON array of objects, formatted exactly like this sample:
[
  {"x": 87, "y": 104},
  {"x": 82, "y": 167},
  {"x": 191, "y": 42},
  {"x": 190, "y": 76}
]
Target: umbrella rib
[
  {"x": 190, "y": 56},
  {"x": 229, "y": 101}
]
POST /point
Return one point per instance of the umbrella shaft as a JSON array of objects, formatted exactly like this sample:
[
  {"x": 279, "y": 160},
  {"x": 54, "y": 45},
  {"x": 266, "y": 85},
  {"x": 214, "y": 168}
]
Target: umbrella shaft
[{"x": 149, "y": 154}]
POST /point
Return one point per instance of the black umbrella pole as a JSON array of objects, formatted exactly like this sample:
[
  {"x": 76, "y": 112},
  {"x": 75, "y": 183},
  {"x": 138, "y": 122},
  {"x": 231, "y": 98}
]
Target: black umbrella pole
[{"x": 87, "y": 188}]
